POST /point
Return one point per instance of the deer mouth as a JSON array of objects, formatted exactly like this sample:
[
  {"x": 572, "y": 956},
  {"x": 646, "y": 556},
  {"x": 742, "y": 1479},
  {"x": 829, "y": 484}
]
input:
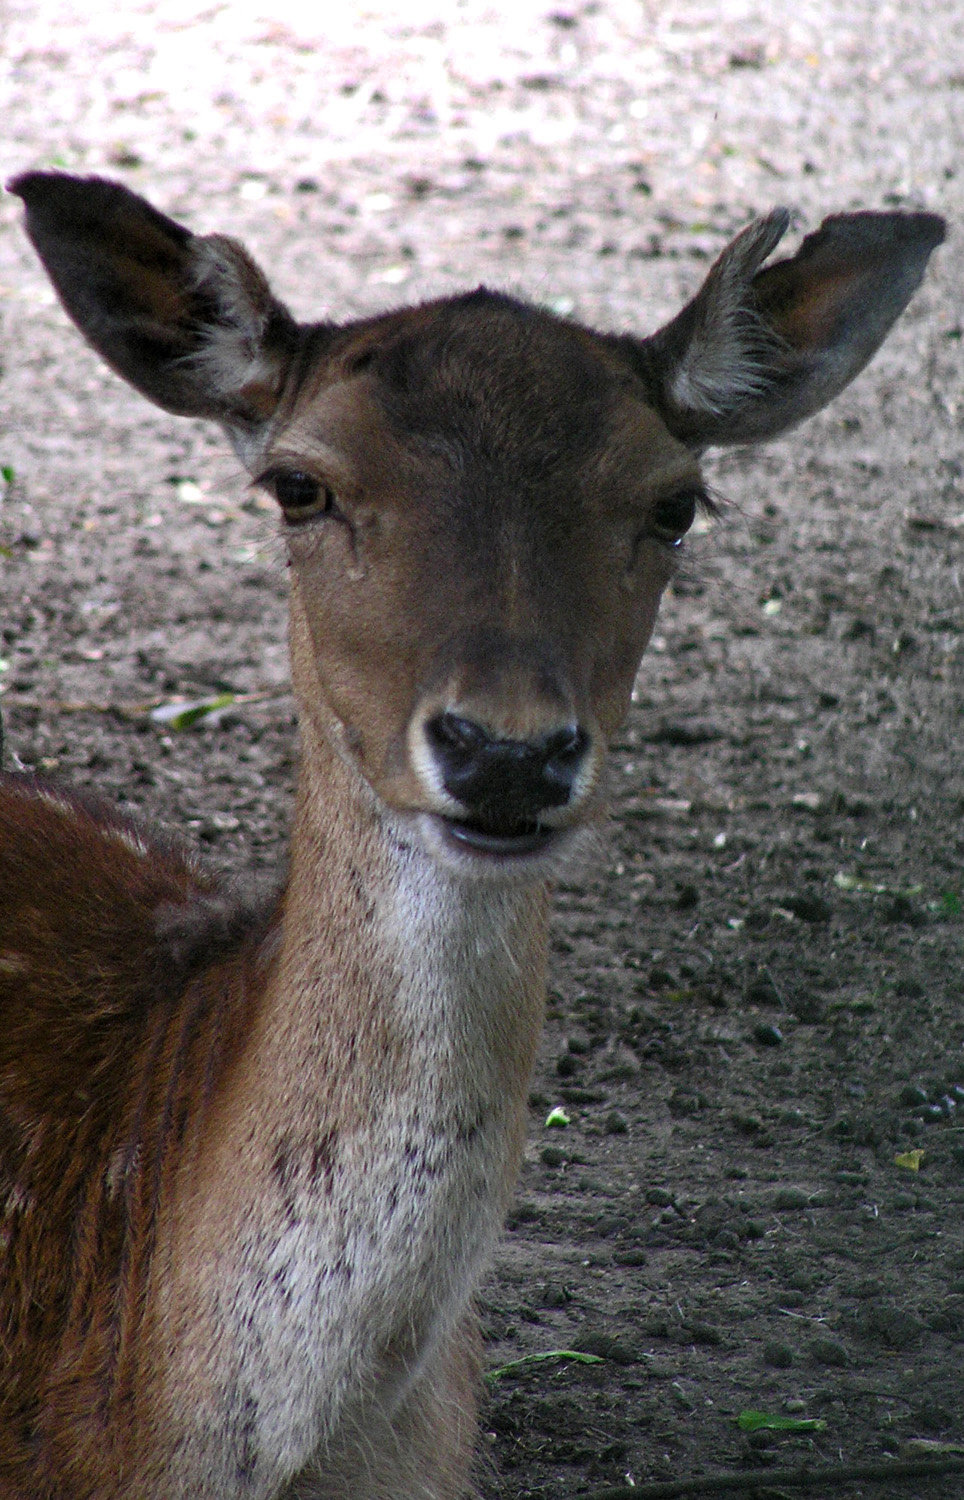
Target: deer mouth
[
  {"x": 524, "y": 839},
  {"x": 500, "y": 840}
]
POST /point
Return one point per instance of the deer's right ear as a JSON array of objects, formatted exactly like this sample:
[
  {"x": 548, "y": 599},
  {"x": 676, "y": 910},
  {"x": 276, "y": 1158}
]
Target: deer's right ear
[{"x": 190, "y": 321}]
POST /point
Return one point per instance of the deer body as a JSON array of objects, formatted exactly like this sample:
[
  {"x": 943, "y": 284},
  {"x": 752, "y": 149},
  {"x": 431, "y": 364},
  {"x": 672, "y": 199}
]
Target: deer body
[{"x": 252, "y": 1163}]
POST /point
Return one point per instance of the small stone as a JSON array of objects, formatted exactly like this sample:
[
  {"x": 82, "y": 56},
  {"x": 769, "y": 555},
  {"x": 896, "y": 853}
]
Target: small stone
[
  {"x": 762, "y": 991},
  {"x": 827, "y": 1351},
  {"x": 703, "y": 1333},
  {"x": 790, "y": 1198},
  {"x": 780, "y": 1356},
  {"x": 683, "y": 1102},
  {"x": 760, "y": 1441},
  {"x": 809, "y": 908},
  {"x": 808, "y": 1009},
  {"x": 633, "y": 1255},
  {"x": 619, "y": 1063},
  {"x": 522, "y": 1213},
  {"x": 903, "y": 910},
  {"x": 583, "y": 1096},
  {"x": 606, "y": 1347},
  {"x": 929, "y": 1416},
  {"x": 687, "y": 896},
  {"x": 892, "y": 1327},
  {"x": 852, "y": 1178},
  {"x": 948, "y": 1320}
]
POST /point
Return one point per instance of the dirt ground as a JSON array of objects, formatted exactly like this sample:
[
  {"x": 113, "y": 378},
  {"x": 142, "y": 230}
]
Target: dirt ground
[{"x": 756, "y": 990}]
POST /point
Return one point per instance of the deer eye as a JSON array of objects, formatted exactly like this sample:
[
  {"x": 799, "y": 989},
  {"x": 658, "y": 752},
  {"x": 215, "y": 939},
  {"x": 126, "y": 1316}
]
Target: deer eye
[
  {"x": 300, "y": 495},
  {"x": 674, "y": 515}
]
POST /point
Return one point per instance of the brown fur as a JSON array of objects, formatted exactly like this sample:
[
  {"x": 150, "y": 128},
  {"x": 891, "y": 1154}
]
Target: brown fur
[
  {"x": 117, "y": 1026},
  {"x": 253, "y": 1159}
]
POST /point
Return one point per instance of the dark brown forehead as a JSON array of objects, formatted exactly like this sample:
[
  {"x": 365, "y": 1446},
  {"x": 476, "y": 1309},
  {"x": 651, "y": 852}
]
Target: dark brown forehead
[{"x": 495, "y": 380}]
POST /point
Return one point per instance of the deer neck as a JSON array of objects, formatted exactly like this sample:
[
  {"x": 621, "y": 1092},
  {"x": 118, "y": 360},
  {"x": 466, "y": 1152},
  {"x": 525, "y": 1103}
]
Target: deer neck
[
  {"x": 414, "y": 981},
  {"x": 393, "y": 961},
  {"x": 402, "y": 1008}
]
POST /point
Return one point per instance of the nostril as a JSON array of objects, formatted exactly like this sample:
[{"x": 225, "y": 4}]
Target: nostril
[
  {"x": 563, "y": 754},
  {"x": 567, "y": 746},
  {"x": 455, "y": 739}
]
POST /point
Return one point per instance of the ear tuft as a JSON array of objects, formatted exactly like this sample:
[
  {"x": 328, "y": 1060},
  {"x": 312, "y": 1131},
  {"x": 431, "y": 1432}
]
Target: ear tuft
[
  {"x": 720, "y": 351},
  {"x": 245, "y": 334}
]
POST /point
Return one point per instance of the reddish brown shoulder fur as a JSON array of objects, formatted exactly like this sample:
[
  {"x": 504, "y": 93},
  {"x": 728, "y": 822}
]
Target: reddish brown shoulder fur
[{"x": 127, "y": 982}]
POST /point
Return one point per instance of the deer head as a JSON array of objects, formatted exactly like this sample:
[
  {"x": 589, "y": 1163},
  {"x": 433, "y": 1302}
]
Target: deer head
[{"x": 482, "y": 503}]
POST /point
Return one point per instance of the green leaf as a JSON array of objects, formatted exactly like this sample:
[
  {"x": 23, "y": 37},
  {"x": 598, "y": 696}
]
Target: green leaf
[
  {"x": 184, "y": 715},
  {"x": 572, "y": 1355},
  {"x": 761, "y": 1421}
]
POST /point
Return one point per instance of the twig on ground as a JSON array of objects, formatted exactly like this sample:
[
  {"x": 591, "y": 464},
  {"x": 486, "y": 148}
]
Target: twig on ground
[
  {"x": 826, "y": 1476},
  {"x": 130, "y": 710}
]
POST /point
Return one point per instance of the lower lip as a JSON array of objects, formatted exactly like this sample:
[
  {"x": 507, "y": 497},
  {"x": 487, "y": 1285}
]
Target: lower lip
[{"x": 495, "y": 846}]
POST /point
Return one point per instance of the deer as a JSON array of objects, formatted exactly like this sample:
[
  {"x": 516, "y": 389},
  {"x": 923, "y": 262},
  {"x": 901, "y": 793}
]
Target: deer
[{"x": 255, "y": 1155}]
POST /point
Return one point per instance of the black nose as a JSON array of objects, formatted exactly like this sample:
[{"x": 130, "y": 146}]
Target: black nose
[{"x": 505, "y": 783}]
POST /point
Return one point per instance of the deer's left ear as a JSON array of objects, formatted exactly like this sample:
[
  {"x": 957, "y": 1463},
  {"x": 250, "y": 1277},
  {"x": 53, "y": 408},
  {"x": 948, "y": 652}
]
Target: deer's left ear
[{"x": 758, "y": 350}]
